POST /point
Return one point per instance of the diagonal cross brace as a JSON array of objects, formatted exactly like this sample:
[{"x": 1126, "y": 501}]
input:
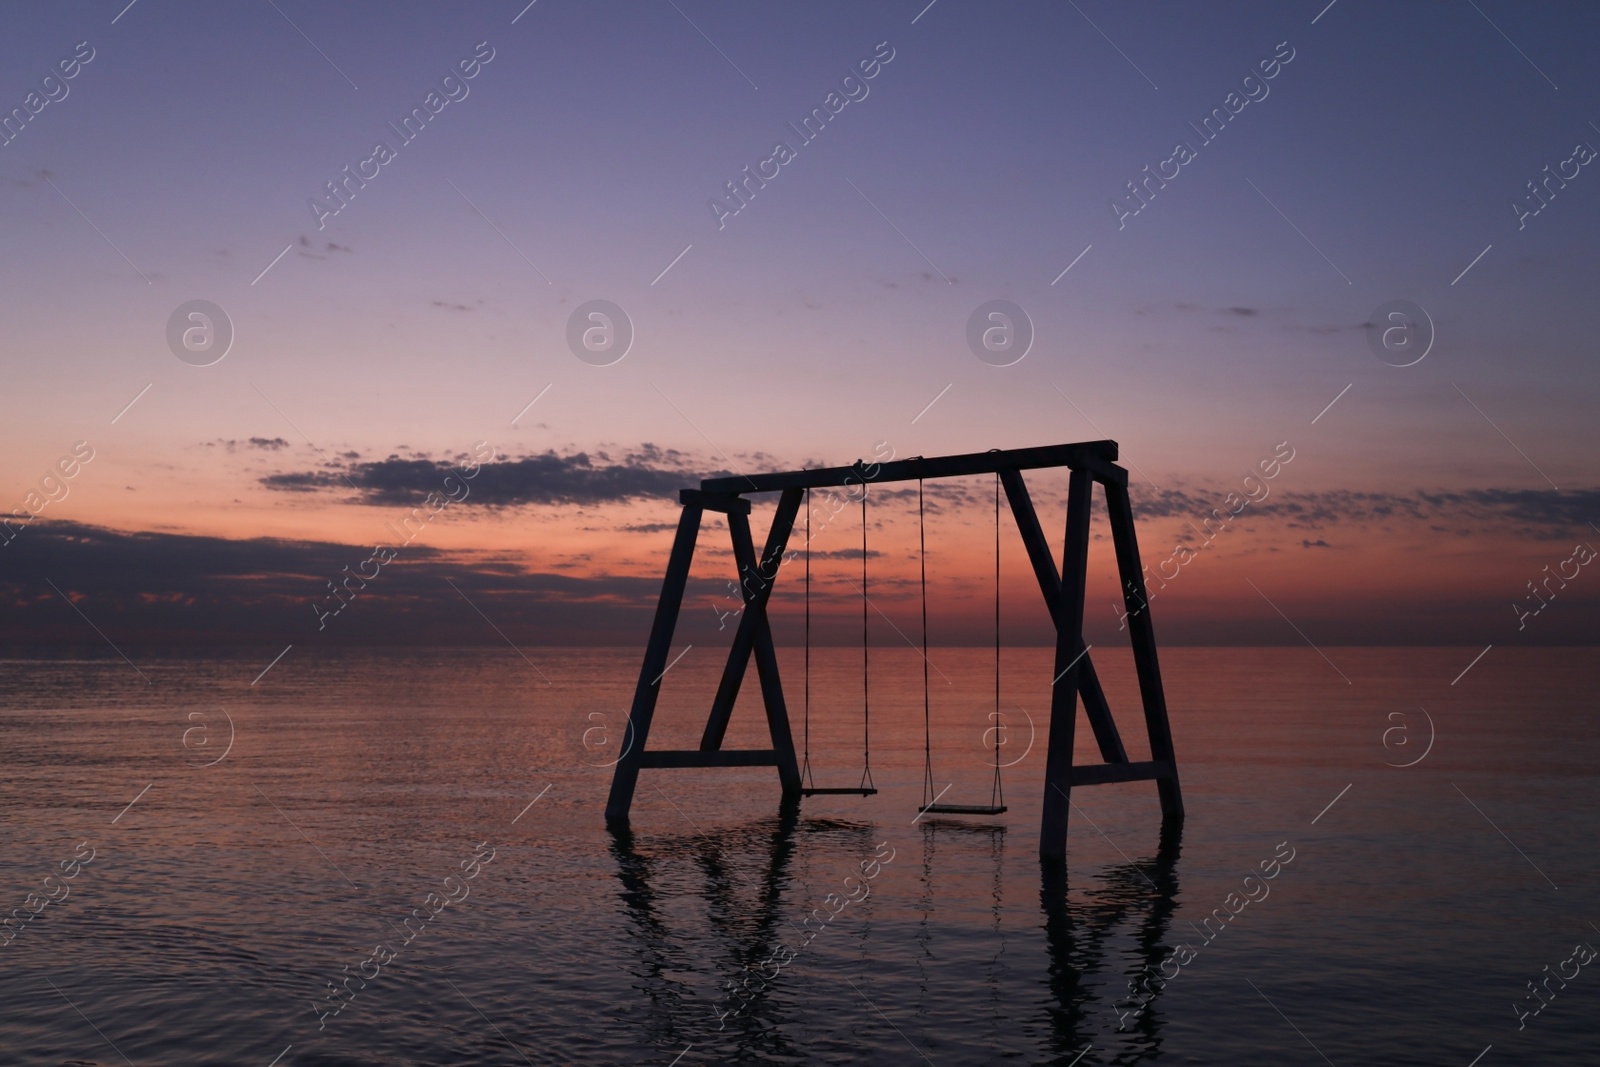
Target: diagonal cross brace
[
  {"x": 755, "y": 588},
  {"x": 766, "y": 656}
]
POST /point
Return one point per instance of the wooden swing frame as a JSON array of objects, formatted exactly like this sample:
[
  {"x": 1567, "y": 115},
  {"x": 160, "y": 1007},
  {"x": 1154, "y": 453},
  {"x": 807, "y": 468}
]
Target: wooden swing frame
[{"x": 1089, "y": 462}]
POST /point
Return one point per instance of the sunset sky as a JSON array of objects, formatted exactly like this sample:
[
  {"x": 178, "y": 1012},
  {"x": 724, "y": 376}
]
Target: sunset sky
[{"x": 978, "y": 162}]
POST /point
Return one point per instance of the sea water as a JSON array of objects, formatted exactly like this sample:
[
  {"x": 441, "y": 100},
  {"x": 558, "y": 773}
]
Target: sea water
[{"x": 399, "y": 857}]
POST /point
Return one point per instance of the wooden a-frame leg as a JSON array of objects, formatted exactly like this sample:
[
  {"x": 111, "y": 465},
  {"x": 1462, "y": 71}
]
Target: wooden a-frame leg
[
  {"x": 626, "y": 775},
  {"x": 1068, "y": 614},
  {"x": 1144, "y": 646}
]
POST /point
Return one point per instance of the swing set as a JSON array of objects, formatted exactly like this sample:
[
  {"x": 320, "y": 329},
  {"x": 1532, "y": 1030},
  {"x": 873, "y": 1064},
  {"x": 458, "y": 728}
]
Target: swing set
[{"x": 1088, "y": 462}]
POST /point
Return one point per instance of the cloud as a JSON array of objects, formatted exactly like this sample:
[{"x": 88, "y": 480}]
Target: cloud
[
  {"x": 265, "y": 444},
  {"x": 179, "y": 589},
  {"x": 1280, "y": 315},
  {"x": 184, "y": 591},
  {"x": 1183, "y": 305},
  {"x": 612, "y": 474},
  {"x": 306, "y": 245},
  {"x": 307, "y": 482},
  {"x": 548, "y": 478},
  {"x": 1563, "y": 507},
  {"x": 845, "y": 553},
  {"x": 1545, "y": 513}
]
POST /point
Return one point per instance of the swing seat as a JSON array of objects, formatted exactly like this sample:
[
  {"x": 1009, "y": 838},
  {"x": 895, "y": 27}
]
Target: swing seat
[
  {"x": 849, "y": 790},
  {"x": 934, "y": 807},
  {"x": 962, "y": 809}
]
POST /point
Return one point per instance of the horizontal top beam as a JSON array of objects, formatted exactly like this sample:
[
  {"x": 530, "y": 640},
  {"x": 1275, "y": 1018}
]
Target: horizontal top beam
[
  {"x": 1097, "y": 457},
  {"x": 723, "y": 502}
]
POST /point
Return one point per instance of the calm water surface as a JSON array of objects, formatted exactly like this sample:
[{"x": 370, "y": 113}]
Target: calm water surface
[{"x": 362, "y": 788}]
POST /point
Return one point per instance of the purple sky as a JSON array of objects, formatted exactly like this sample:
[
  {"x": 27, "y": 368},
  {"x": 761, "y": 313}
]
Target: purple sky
[{"x": 1379, "y": 162}]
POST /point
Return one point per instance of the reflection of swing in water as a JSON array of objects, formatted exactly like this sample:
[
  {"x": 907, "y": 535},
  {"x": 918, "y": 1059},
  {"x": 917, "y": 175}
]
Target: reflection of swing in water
[
  {"x": 1090, "y": 462},
  {"x": 699, "y": 910}
]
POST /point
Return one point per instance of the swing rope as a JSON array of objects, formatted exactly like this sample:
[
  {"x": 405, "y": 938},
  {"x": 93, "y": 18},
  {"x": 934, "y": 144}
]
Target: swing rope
[
  {"x": 805, "y": 768},
  {"x": 927, "y": 724},
  {"x": 866, "y": 701},
  {"x": 997, "y": 796}
]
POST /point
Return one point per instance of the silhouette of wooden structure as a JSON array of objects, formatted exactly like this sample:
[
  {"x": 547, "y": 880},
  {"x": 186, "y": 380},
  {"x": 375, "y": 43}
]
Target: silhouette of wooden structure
[{"x": 1089, "y": 462}]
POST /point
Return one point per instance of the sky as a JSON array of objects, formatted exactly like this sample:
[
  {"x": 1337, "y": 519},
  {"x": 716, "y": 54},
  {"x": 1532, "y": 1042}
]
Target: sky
[{"x": 988, "y": 156}]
